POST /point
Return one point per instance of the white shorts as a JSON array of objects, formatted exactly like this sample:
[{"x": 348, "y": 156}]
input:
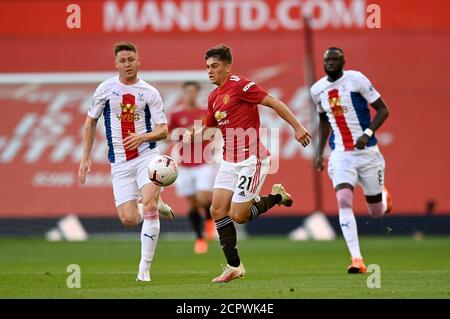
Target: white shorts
[
  {"x": 193, "y": 179},
  {"x": 244, "y": 179},
  {"x": 129, "y": 177},
  {"x": 365, "y": 167}
]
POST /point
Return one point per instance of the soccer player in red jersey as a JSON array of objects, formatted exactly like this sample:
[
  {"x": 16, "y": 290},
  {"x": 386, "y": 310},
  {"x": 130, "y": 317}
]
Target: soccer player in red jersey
[
  {"x": 233, "y": 108},
  {"x": 195, "y": 175}
]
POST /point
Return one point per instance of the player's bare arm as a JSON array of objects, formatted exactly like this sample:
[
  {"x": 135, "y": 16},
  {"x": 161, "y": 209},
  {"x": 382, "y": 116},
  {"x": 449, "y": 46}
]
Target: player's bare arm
[
  {"x": 378, "y": 120},
  {"x": 301, "y": 134},
  {"x": 88, "y": 142},
  {"x": 194, "y": 135},
  {"x": 133, "y": 140},
  {"x": 324, "y": 131}
]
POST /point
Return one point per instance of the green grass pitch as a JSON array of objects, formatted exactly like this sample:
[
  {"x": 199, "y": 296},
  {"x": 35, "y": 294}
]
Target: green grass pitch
[{"x": 276, "y": 268}]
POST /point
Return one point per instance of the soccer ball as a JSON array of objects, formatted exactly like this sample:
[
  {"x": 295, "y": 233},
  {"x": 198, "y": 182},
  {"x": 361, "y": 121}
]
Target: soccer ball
[{"x": 162, "y": 170}]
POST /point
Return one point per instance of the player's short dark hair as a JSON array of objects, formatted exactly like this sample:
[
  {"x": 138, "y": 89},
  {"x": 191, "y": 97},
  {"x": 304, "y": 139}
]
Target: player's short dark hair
[
  {"x": 124, "y": 46},
  {"x": 221, "y": 53},
  {"x": 336, "y": 49},
  {"x": 191, "y": 83}
]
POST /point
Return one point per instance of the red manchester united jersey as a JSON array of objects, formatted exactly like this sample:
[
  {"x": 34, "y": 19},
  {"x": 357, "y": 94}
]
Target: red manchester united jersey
[
  {"x": 233, "y": 107},
  {"x": 184, "y": 118}
]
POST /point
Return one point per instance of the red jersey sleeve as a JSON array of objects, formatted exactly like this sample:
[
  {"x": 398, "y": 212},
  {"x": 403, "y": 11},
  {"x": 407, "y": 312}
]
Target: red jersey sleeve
[
  {"x": 251, "y": 92},
  {"x": 210, "y": 120}
]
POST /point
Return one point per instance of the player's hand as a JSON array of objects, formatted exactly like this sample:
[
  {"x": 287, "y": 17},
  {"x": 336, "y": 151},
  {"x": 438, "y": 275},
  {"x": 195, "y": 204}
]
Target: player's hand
[
  {"x": 85, "y": 168},
  {"x": 362, "y": 141},
  {"x": 188, "y": 136},
  {"x": 319, "y": 163},
  {"x": 132, "y": 141},
  {"x": 302, "y": 136}
]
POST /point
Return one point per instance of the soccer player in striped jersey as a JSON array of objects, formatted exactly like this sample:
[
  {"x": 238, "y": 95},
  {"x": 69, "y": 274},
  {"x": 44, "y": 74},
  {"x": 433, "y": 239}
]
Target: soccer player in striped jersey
[
  {"x": 342, "y": 99},
  {"x": 233, "y": 108},
  {"x": 130, "y": 107}
]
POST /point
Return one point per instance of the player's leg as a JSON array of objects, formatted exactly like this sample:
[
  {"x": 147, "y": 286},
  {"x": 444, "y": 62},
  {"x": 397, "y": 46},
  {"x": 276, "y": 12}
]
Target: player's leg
[
  {"x": 204, "y": 199},
  {"x": 194, "y": 216},
  {"x": 185, "y": 187},
  {"x": 126, "y": 194},
  {"x": 342, "y": 171},
  {"x": 150, "y": 229},
  {"x": 150, "y": 194},
  {"x": 227, "y": 235},
  {"x": 371, "y": 177},
  {"x": 222, "y": 193},
  {"x": 200, "y": 244},
  {"x": 204, "y": 181},
  {"x": 246, "y": 204},
  {"x": 129, "y": 214}
]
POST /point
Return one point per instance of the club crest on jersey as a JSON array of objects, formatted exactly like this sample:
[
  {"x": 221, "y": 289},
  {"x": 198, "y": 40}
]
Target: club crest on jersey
[
  {"x": 220, "y": 115},
  {"x": 226, "y": 99},
  {"x": 335, "y": 103}
]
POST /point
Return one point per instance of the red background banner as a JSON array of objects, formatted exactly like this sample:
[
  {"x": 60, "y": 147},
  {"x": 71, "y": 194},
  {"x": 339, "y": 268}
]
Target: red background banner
[{"x": 40, "y": 131}]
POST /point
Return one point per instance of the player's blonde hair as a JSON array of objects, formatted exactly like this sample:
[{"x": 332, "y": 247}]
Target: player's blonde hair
[{"x": 124, "y": 46}]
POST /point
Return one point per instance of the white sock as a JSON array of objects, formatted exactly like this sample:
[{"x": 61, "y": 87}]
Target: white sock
[
  {"x": 149, "y": 239},
  {"x": 350, "y": 231}
]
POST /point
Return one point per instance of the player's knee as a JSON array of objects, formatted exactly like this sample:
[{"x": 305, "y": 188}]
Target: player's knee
[
  {"x": 238, "y": 217},
  {"x": 129, "y": 221},
  {"x": 150, "y": 206},
  {"x": 345, "y": 198},
  {"x": 376, "y": 212},
  {"x": 218, "y": 212}
]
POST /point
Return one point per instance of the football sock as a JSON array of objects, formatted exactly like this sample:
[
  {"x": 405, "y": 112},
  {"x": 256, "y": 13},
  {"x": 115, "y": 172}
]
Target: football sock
[
  {"x": 228, "y": 240},
  {"x": 264, "y": 204},
  {"x": 348, "y": 222},
  {"x": 196, "y": 221},
  {"x": 149, "y": 238}
]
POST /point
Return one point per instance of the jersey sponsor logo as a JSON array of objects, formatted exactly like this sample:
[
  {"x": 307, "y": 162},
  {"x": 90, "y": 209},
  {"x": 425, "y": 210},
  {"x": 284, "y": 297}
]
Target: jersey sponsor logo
[
  {"x": 127, "y": 118},
  {"x": 226, "y": 99},
  {"x": 235, "y": 78},
  {"x": 248, "y": 86},
  {"x": 128, "y": 113},
  {"x": 220, "y": 115},
  {"x": 335, "y": 103},
  {"x": 127, "y": 108}
]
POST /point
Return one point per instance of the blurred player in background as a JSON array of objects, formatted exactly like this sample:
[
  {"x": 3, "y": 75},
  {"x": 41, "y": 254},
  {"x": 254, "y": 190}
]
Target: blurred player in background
[
  {"x": 129, "y": 106},
  {"x": 195, "y": 177},
  {"x": 342, "y": 99},
  {"x": 233, "y": 107}
]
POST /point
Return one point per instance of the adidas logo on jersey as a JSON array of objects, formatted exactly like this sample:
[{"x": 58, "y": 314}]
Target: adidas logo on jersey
[{"x": 242, "y": 193}]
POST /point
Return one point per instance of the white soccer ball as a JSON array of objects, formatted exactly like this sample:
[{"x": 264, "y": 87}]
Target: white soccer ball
[{"x": 162, "y": 170}]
